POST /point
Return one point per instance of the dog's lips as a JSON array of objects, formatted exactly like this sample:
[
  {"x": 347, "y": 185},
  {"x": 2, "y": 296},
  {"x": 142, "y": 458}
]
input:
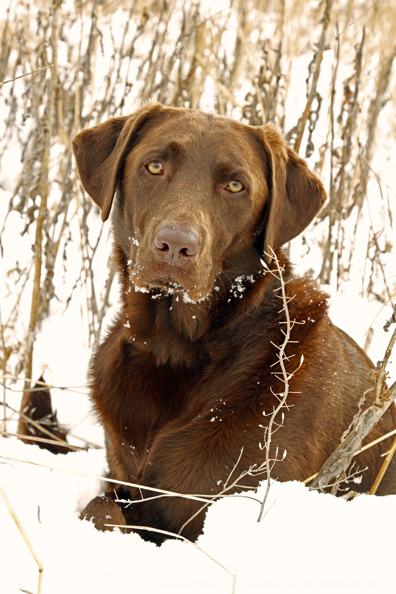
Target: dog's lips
[
  {"x": 170, "y": 275},
  {"x": 172, "y": 279},
  {"x": 170, "y": 283}
]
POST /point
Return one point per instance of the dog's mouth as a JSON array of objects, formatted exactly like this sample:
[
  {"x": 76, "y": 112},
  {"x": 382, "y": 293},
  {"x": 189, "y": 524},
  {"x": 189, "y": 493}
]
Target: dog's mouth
[
  {"x": 167, "y": 276},
  {"x": 170, "y": 280}
]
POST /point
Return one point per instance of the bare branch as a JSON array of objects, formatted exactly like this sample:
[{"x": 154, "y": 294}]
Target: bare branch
[
  {"x": 284, "y": 376},
  {"x": 316, "y": 64},
  {"x": 27, "y": 74},
  {"x": 334, "y": 470}
]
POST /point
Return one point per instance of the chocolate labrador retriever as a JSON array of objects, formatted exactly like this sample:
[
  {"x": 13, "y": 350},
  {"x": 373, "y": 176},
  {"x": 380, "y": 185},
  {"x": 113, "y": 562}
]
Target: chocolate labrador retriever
[{"x": 189, "y": 374}]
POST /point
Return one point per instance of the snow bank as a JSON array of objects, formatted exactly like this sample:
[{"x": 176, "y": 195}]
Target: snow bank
[{"x": 306, "y": 541}]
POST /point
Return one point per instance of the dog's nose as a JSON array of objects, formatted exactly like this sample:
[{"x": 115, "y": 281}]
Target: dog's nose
[{"x": 176, "y": 245}]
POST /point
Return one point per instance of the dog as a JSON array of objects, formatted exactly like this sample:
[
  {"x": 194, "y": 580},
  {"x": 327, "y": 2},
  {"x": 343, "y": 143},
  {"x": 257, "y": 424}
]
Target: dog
[{"x": 189, "y": 375}]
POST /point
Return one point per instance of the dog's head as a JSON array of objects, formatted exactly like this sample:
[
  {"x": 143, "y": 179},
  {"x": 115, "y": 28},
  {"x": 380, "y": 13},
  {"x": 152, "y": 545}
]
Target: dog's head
[{"x": 195, "y": 196}]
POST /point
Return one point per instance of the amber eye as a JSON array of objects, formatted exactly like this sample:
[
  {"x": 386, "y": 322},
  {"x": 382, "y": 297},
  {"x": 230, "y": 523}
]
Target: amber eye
[
  {"x": 235, "y": 187},
  {"x": 155, "y": 167}
]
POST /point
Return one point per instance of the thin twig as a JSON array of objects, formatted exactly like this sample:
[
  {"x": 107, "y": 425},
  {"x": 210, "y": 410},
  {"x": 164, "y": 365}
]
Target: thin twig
[
  {"x": 284, "y": 376},
  {"x": 362, "y": 449},
  {"x": 173, "y": 535},
  {"x": 315, "y": 78},
  {"x": 43, "y": 191},
  {"x": 336, "y": 465},
  {"x": 381, "y": 390},
  {"x": 383, "y": 468},
  {"x": 30, "y": 380},
  {"x": 110, "y": 480},
  {"x": 27, "y": 74},
  {"x": 62, "y": 444},
  {"x": 39, "y": 426},
  {"x": 25, "y": 537}
]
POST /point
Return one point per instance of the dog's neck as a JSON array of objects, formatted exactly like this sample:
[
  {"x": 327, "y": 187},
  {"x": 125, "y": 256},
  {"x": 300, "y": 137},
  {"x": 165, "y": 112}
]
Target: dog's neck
[
  {"x": 165, "y": 326},
  {"x": 173, "y": 328}
]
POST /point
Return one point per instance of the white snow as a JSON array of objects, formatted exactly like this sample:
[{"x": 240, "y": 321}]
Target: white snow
[{"x": 305, "y": 542}]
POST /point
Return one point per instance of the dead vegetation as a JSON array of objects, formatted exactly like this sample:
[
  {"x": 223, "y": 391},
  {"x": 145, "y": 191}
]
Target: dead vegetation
[{"x": 323, "y": 71}]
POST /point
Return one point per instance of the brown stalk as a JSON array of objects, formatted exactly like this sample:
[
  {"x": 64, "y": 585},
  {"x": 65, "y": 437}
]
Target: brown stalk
[
  {"x": 29, "y": 438},
  {"x": 47, "y": 125},
  {"x": 376, "y": 105},
  {"x": 362, "y": 449},
  {"x": 25, "y": 538},
  {"x": 316, "y": 66},
  {"x": 27, "y": 74},
  {"x": 336, "y": 466},
  {"x": 341, "y": 180},
  {"x": 383, "y": 468},
  {"x": 202, "y": 498}
]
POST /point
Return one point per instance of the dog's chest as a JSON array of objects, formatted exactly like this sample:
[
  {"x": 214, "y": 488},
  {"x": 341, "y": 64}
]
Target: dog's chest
[{"x": 153, "y": 400}]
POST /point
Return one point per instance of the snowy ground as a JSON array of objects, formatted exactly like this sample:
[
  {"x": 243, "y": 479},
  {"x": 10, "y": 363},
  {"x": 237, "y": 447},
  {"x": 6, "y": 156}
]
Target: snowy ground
[{"x": 306, "y": 542}]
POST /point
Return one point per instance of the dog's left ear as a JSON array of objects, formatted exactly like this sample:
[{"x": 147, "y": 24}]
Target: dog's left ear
[{"x": 295, "y": 193}]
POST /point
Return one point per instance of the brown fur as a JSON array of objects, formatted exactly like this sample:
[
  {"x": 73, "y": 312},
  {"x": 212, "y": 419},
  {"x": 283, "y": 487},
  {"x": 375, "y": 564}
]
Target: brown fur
[{"x": 185, "y": 378}]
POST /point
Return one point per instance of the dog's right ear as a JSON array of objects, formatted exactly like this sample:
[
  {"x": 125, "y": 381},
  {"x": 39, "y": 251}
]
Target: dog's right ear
[{"x": 100, "y": 153}]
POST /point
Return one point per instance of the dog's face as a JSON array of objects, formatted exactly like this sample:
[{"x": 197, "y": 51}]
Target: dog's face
[
  {"x": 189, "y": 203},
  {"x": 199, "y": 197}
]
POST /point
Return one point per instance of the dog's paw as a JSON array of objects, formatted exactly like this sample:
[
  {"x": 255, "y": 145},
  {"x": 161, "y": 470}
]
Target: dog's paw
[{"x": 103, "y": 513}]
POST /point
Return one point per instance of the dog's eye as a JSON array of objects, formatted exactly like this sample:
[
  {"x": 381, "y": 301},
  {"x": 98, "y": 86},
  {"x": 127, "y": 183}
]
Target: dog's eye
[
  {"x": 235, "y": 187},
  {"x": 155, "y": 167}
]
